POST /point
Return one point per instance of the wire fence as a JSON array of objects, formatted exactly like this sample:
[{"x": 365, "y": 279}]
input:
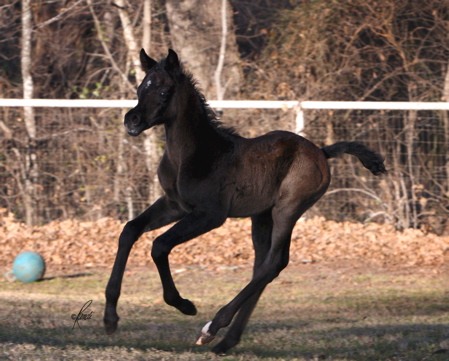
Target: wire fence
[
  {"x": 83, "y": 165},
  {"x": 415, "y": 145}
]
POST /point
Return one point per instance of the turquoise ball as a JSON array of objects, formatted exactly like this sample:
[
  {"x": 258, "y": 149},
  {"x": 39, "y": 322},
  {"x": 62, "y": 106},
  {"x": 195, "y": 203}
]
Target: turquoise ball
[{"x": 28, "y": 267}]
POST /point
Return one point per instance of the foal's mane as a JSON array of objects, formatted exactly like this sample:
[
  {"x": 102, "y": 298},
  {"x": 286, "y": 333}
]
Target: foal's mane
[{"x": 205, "y": 108}]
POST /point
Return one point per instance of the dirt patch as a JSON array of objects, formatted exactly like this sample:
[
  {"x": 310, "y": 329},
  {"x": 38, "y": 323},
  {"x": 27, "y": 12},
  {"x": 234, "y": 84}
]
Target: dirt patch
[{"x": 94, "y": 244}]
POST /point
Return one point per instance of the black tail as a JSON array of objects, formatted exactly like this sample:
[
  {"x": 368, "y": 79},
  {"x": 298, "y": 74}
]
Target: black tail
[{"x": 369, "y": 158}]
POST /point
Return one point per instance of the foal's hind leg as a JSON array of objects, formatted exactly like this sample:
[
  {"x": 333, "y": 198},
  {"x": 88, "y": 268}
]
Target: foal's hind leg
[
  {"x": 275, "y": 261},
  {"x": 262, "y": 226},
  {"x": 159, "y": 214}
]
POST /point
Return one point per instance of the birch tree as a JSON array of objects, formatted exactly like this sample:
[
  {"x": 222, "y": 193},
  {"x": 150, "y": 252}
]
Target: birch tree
[
  {"x": 446, "y": 126},
  {"x": 29, "y": 169},
  {"x": 153, "y": 154}
]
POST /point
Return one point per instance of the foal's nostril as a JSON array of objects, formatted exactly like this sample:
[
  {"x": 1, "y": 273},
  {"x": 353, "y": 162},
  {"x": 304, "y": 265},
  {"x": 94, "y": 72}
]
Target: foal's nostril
[{"x": 135, "y": 119}]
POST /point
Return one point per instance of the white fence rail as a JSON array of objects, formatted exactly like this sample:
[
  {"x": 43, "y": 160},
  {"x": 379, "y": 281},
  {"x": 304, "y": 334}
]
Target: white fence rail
[
  {"x": 298, "y": 106},
  {"x": 255, "y": 104}
]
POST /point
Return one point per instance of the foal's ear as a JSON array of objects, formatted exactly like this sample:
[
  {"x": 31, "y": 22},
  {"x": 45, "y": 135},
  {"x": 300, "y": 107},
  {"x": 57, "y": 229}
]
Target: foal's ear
[
  {"x": 172, "y": 61},
  {"x": 145, "y": 61}
]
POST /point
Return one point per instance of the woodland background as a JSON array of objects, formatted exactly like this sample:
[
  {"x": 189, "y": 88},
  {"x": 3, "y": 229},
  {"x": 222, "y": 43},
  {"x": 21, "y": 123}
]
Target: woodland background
[{"x": 58, "y": 164}]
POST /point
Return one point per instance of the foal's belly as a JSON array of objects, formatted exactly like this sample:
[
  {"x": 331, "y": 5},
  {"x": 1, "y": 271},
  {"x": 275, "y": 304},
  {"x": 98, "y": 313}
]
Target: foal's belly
[
  {"x": 253, "y": 196},
  {"x": 247, "y": 206},
  {"x": 259, "y": 173}
]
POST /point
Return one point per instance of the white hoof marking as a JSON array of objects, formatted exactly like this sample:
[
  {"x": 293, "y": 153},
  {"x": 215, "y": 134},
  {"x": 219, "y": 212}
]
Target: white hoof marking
[
  {"x": 206, "y": 327},
  {"x": 205, "y": 337}
]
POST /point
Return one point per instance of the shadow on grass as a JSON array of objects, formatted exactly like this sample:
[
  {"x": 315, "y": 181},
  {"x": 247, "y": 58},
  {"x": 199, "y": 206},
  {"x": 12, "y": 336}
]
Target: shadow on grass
[
  {"x": 369, "y": 343},
  {"x": 353, "y": 328},
  {"x": 77, "y": 275},
  {"x": 381, "y": 342},
  {"x": 140, "y": 338}
]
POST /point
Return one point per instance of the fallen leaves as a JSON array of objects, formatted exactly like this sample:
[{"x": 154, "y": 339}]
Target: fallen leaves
[{"x": 72, "y": 242}]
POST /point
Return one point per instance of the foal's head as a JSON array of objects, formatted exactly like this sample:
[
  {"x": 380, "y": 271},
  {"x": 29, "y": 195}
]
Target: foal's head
[{"x": 154, "y": 94}]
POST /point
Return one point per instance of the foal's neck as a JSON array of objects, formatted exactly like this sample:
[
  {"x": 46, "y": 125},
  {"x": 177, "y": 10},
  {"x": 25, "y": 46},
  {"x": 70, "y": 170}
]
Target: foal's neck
[{"x": 189, "y": 129}]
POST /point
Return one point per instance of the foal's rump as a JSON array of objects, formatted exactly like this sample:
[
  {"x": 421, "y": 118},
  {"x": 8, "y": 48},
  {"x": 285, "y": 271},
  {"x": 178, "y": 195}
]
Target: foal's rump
[
  {"x": 308, "y": 176},
  {"x": 281, "y": 165},
  {"x": 277, "y": 165}
]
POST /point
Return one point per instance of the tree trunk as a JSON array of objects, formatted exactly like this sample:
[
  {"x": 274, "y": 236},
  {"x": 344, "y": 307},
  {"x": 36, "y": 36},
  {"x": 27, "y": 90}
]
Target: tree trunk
[
  {"x": 197, "y": 31},
  {"x": 146, "y": 38},
  {"x": 30, "y": 173},
  {"x": 153, "y": 155},
  {"x": 25, "y": 58},
  {"x": 446, "y": 127}
]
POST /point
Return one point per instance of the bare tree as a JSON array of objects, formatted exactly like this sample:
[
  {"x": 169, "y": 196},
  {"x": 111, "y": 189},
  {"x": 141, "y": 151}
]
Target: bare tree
[
  {"x": 146, "y": 38},
  {"x": 446, "y": 125},
  {"x": 388, "y": 51},
  {"x": 29, "y": 169},
  {"x": 150, "y": 143},
  {"x": 197, "y": 34}
]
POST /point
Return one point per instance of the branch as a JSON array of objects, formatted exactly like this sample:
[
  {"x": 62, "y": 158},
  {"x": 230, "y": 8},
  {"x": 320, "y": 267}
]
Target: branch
[
  {"x": 354, "y": 190},
  {"x": 59, "y": 16},
  {"x": 106, "y": 49},
  {"x": 7, "y": 132},
  {"x": 130, "y": 40}
]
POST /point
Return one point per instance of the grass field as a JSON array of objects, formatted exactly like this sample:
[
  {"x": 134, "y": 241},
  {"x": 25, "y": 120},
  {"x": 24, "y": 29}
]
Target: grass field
[{"x": 311, "y": 312}]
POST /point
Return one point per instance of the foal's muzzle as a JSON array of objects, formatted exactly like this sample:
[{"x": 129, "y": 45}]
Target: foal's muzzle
[{"x": 134, "y": 123}]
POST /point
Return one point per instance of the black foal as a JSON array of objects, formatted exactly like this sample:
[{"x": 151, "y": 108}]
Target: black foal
[{"x": 209, "y": 173}]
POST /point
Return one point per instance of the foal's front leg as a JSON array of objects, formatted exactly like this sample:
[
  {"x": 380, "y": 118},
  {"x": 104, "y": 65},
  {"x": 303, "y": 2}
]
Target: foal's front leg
[
  {"x": 159, "y": 214},
  {"x": 191, "y": 226}
]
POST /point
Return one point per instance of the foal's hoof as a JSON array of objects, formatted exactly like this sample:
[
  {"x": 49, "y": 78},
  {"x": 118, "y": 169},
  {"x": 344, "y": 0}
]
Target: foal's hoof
[
  {"x": 187, "y": 308},
  {"x": 205, "y": 337},
  {"x": 110, "y": 327},
  {"x": 224, "y": 345}
]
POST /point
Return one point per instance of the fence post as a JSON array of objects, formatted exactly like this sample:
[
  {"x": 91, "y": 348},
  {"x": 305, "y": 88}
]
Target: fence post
[{"x": 299, "y": 128}]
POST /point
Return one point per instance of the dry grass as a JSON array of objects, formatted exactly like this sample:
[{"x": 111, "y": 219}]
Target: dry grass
[{"x": 311, "y": 312}]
